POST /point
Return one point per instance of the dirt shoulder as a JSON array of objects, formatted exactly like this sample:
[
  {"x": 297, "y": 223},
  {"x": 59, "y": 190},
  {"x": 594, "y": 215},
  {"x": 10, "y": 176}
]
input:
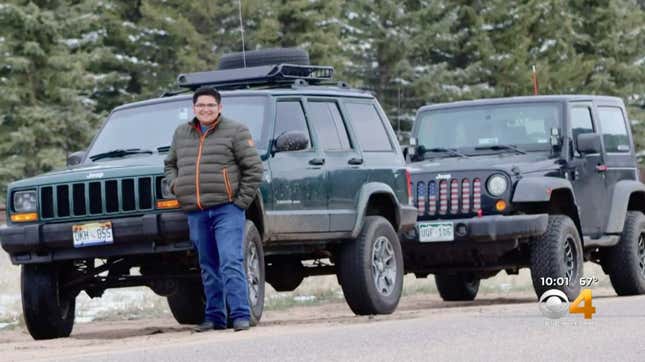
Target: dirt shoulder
[{"x": 101, "y": 337}]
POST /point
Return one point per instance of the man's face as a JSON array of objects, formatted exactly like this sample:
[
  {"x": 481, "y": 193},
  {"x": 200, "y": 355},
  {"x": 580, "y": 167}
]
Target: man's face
[{"x": 206, "y": 109}]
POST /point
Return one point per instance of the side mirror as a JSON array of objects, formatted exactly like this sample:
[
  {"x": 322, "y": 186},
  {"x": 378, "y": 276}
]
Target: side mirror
[
  {"x": 291, "y": 141},
  {"x": 588, "y": 143},
  {"x": 75, "y": 158}
]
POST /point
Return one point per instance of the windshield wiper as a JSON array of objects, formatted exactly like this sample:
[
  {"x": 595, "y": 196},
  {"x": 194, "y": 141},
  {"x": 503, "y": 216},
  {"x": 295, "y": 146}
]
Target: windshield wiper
[
  {"x": 163, "y": 149},
  {"x": 450, "y": 151},
  {"x": 119, "y": 153},
  {"x": 501, "y": 148}
]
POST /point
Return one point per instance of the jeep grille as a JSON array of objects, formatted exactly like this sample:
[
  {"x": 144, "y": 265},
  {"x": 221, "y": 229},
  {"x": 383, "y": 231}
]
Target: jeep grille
[
  {"x": 96, "y": 197},
  {"x": 446, "y": 197}
]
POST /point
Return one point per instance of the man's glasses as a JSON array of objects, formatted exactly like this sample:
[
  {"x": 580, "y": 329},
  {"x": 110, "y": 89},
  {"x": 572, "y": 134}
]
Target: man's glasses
[{"x": 205, "y": 105}]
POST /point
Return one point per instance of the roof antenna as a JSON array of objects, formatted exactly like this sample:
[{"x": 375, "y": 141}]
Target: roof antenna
[
  {"x": 239, "y": 2},
  {"x": 535, "y": 81}
]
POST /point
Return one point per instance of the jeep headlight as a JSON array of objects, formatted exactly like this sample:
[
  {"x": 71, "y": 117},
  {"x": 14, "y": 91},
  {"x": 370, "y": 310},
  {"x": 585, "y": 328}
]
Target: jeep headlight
[
  {"x": 496, "y": 185},
  {"x": 166, "y": 192},
  {"x": 25, "y": 201}
]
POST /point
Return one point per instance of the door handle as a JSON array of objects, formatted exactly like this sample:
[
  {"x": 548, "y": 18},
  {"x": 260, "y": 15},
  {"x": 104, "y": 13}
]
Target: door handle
[
  {"x": 355, "y": 161},
  {"x": 317, "y": 161}
]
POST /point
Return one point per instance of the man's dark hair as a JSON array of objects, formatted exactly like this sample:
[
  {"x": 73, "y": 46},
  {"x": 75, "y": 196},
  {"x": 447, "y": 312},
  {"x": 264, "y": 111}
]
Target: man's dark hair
[{"x": 207, "y": 91}]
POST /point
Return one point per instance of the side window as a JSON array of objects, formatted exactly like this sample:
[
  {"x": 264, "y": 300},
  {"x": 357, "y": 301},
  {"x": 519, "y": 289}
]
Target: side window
[
  {"x": 614, "y": 129},
  {"x": 580, "y": 123},
  {"x": 290, "y": 117},
  {"x": 369, "y": 127},
  {"x": 328, "y": 122}
]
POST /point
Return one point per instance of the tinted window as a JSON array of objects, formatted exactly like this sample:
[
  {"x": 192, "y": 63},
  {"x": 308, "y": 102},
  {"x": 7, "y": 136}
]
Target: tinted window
[
  {"x": 613, "y": 128},
  {"x": 369, "y": 127},
  {"x": 290, "y": 117},
  {"x": 328, "y": 122},
  {"x": 580, "y": 122}
]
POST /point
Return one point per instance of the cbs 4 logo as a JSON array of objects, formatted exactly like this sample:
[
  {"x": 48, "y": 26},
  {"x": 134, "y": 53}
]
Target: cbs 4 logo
[{"x": 554, "y": 304}]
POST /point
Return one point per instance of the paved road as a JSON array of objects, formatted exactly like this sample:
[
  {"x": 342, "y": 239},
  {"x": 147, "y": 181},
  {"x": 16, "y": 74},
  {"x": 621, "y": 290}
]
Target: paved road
[{"x": 503, "y": 330}]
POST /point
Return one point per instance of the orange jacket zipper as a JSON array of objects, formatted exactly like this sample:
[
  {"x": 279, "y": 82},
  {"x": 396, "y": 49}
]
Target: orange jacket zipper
[
  {"x": 199, "y": 158},
  {"x": 227, "y": 184}
]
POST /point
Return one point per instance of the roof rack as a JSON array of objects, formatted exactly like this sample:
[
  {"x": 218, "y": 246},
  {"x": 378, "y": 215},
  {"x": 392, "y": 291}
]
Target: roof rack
[{"x": 265, "y": 75}]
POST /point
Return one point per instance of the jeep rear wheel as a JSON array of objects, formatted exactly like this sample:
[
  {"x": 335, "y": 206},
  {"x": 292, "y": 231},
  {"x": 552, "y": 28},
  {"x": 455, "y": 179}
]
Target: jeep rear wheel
[
  {"x": 370, "y": 268},
  {"x": 49, "y": 311},
  {"x": 457, "y": 287},
  {"x": 188, "y": 303},
  {"x": 557, "y": 256},
  {"x": 625, "y": 261}
]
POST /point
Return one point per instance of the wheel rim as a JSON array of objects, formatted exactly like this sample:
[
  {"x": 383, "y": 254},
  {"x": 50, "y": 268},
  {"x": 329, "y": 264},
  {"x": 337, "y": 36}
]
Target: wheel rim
[
  {"x": 570, "y": 258},
  {"x": 253, "y": 274},
  {"x": 384, "y": 266},
  {"x": 641, "y": 254}
]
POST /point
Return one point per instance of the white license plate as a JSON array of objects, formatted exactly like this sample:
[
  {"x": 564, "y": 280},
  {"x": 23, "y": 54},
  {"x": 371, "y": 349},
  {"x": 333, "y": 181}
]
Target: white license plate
[
  {"x": 436, "y": 231},
  {"x": 96, "y": 233}
]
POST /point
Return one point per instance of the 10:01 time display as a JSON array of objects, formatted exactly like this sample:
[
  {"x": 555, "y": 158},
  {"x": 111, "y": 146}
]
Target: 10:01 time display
[{"x": 554, "y": 282}]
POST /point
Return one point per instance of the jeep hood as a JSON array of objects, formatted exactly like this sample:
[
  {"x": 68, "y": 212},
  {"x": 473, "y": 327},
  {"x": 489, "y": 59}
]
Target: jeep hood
[
  {"x": 136, "y": 165},
  {"x": 511, "y": 163}
]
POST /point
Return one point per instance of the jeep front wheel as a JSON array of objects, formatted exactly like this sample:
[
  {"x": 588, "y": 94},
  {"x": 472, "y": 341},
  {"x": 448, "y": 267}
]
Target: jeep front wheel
[
  {"x": 625, "y": 261},
  {"x": 187, "y": 303},
  {"x": 47, "y": 308},
  {"x": 370, "y": 268},
  {"x": 457, "y": 286},
  {"x": 556, "y": 258},
  {"x": 255, "y": 273}
]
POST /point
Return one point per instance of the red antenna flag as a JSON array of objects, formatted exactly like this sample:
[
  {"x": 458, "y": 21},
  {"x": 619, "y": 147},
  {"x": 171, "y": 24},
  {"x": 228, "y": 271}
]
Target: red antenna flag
[{"x": 535, "y": 81}]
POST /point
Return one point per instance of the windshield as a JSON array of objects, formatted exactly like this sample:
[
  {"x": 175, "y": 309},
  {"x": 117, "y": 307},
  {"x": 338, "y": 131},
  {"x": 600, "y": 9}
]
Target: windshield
[
  {"x": 152, "y": 126},
  {"x": 527, "y": 126}
]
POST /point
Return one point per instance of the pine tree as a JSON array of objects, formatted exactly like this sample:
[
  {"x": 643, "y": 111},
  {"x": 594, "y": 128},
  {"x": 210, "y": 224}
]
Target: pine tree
[{"x": 45, "y": 114}]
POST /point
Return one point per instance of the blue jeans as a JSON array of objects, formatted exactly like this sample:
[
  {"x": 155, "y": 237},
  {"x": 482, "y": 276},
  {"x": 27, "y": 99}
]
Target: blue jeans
[{"x": 218, "y": 234}]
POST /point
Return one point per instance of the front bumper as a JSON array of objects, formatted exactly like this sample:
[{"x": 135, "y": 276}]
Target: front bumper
[
  {"x": 152, "y": 233},
  {"x": 492, "y": 228}
]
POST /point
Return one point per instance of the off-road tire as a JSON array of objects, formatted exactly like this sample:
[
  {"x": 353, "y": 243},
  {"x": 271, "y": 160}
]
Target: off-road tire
[
  {"x": 548, "y": 258},
  {"x": 624, "y": 261},
  {"x": 49, "y": 311},
  {"x": 252, "y": 239},
  {"x": 188, "y": 303},
  {"x": 356, "y": 272},
  {"x": 459, "y": 286},
  {"x": 260, "y": 57}
]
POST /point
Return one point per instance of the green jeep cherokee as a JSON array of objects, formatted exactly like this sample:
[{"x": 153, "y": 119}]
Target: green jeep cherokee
[{"x": 334, "y": 196}]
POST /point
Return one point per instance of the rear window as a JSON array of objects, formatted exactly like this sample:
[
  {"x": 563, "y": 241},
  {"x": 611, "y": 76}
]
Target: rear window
[{"x": 369, "y": 127}]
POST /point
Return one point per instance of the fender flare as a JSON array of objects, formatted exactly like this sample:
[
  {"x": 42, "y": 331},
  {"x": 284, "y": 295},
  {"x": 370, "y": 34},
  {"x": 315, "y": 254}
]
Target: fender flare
[
  {"x": 539, "y": 189},
  {"x": 623, "y": 191},
  {"x": 367, "y": 190},
  {"x": 264, "y": 228}
]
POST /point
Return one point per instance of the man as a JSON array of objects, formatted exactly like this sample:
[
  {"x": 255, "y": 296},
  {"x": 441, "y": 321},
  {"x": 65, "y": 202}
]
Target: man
[{"x": 214, "y": 170}]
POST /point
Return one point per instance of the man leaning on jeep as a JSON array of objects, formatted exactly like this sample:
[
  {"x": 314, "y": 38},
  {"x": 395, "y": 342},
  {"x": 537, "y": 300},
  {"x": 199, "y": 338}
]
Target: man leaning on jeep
[{"x": 215, "y": 171}]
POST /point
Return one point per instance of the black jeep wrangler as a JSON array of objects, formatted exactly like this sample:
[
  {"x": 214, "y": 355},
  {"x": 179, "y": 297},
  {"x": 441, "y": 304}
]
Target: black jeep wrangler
[
  {"x": 335, "y": 194},
  {"x": 544, "y": 182}
]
